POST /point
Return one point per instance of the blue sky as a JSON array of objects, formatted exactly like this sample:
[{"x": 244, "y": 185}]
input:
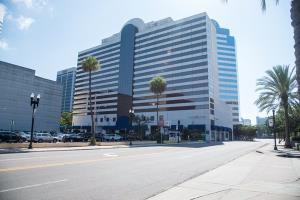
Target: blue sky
[{"x": 47, "y": 35}]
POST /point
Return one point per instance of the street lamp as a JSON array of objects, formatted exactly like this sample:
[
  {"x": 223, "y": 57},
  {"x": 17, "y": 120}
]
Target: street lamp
[
  {"x": 131, "y": 116},
  {"x": 34, "y": 102},
  {"x": 178, "y": 124},
  {"x": 272, "y": 124},
  {"x": 275, "y": 146}
]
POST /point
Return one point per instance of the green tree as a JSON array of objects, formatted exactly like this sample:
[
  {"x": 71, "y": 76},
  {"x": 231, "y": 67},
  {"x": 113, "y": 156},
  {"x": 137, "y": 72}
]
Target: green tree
[
  {"x": 295, "y": 16},
  {"x": 89, "y": 65},
  {"x": 277, "y": 91},
  {"x": 295, "y": 119},
  {"x": 141, "y": 122},
  {"x": 157, "y": 87},
  {"x": 242, "y": 132},
  {"x": 66, "y": 119}
]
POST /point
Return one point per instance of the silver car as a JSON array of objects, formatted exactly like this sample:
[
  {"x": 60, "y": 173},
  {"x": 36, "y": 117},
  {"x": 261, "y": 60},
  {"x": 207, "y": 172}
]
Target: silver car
[
  {"x": 112, "y": 137},
  {"x": 43, "y": 137}
]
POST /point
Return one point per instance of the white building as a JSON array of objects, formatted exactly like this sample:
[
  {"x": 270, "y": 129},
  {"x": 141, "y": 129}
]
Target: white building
[{"x": 184, "y": 52}]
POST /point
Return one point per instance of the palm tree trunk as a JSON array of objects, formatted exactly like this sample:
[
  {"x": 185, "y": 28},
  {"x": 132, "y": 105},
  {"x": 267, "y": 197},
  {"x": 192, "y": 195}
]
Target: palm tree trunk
[
  {"x": 295, "y": 16},
  {"x": 286, "y": 128},
  {"x": 157, "y": 127},
  {"x": 93, "y": 141}
]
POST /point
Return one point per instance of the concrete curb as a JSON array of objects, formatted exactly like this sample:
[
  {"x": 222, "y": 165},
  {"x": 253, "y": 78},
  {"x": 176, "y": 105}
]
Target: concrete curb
[{"x": 80, "y": 148}]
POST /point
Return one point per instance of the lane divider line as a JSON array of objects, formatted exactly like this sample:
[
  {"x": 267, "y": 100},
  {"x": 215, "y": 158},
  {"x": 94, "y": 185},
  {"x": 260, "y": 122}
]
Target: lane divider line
[{"x": 31, "y": 186}]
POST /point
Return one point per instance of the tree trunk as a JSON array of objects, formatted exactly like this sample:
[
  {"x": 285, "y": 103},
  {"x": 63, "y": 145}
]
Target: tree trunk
[
  {"x": 295, "y": 16},
  {"x": 157, "y": 124},
  {"x": 286, "y": 128},
  {"x": 93, "y": 140}
]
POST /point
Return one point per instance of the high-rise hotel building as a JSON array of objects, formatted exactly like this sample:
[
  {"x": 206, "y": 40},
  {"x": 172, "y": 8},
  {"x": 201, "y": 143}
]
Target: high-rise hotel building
[{"x": 184, "y": 52}]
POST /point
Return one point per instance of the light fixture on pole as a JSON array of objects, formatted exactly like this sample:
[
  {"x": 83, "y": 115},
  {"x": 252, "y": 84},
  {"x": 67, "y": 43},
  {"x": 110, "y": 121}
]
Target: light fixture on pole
[
  {"x": 272, "y": 125},
  {"x": 131, "y": 116},
  {"x": 34, "y": 102}
]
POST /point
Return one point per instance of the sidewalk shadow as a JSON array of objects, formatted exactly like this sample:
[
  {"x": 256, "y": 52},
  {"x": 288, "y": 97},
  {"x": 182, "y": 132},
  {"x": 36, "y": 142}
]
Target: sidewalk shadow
[
  {"x": 12, "y": 150},
  {"x": 186, "y": 145},
  {"x": 288, "y": 154}
]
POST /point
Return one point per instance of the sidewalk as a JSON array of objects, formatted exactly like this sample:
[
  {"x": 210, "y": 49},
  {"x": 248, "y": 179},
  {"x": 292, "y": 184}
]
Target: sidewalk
[{"x": 264, "y": 174}]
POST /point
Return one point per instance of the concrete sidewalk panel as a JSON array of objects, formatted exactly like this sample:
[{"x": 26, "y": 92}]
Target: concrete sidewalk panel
[
  {"x": 179, "y": 193},
  {"x": 258, "y": 175}
]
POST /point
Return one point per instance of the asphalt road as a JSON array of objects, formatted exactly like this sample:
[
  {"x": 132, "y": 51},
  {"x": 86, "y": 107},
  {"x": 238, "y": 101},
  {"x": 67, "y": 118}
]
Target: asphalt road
[{"x": 124, "y": 173}]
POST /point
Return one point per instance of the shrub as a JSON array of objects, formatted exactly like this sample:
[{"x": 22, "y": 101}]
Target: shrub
[{"x": 296, "y": 138}]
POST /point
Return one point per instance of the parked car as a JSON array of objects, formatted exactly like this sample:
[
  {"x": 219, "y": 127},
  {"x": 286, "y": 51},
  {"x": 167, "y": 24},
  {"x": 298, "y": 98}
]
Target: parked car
[
  {"x": 58, "y": 137},
  {"x": 8, "y": 136},
  {"x": 25, "y": 137},
  {"x": 99, "y": 137},
  {"x": 112, "y": 137},
  {"x": 174, "y": 136},
  {"x": 43, "y": 137},
  {"x": 74, "y": 138},
  {"x": 86, "y": 136}
]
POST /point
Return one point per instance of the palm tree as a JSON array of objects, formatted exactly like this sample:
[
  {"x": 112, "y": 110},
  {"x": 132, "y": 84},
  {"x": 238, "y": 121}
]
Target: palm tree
[
  {"x": 277, "y": 90},
  {"x": 295, "y": 16},
  {"x": 89, "y": 65},
  {"x": 158, "y": 86}
]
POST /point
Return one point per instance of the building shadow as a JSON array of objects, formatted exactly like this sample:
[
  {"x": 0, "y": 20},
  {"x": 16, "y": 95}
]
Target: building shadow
[
  {"x": 13, "y": 150},
  {"x": 185, "y": 145},
  {"x": 288, "y": 154}
]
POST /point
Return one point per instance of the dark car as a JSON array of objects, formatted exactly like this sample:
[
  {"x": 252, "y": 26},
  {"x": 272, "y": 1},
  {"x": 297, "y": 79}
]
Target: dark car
[
  {"x": 74, "y": 138},
  {"x": 86, "y": 136},
  {"x": 7, "y": 136},
  {"x": 98, "y": 137}
]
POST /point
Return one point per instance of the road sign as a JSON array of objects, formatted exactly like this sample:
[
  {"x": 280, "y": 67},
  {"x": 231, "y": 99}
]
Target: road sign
[
  {"x": 167, "y": 123},
  {"x": 271, "y": 122}
]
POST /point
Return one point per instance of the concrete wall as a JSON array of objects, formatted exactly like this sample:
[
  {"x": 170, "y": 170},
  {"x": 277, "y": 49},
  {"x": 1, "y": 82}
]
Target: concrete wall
[{"x": 16, "y": 85}]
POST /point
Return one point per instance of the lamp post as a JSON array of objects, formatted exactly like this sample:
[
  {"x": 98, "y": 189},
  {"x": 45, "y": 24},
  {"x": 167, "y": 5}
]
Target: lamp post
[
  {"x": 131, "y": 116},
  {"x": 34, "y": 102},
  {"x": 272, "y": 124},
  {"x": 178, "y": 135},
  {"x": 275, "y": 146}
]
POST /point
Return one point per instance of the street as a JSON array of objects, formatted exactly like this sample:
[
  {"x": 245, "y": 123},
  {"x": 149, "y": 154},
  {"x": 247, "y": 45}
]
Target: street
[{"x": 123, "y": 173}]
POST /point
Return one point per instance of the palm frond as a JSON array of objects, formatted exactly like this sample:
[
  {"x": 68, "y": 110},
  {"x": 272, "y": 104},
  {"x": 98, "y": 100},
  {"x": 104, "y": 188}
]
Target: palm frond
[
  {"x": 262, "y": 2},
  {"x": 276, "y": 88}
]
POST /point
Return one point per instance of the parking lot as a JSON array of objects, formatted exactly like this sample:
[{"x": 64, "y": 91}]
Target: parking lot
[{"x": 42, "y": 137}]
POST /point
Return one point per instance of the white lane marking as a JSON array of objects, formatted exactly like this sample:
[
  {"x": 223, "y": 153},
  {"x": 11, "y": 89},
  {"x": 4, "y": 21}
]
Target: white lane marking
[
  {"x": 12, "y": 159},
  {"x": 110, "y": 155},
  {"x": 31, "y": 186}
]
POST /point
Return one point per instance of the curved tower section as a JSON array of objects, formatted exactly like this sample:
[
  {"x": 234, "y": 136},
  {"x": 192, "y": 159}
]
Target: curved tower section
[{"x": 126, "y": 71}]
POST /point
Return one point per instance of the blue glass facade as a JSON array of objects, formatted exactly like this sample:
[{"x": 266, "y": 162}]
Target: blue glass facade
[
  {"x": 125, "y": 84},
  {"x": 67, "y": 79}
]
